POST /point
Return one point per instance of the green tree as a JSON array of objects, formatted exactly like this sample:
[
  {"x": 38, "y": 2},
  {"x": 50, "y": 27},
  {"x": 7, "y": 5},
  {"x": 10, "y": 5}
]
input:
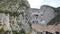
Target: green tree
[{"x": 22, "y": 31}]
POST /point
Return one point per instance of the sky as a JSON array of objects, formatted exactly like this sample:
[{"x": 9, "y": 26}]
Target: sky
[{"x": 39, "y": 3}]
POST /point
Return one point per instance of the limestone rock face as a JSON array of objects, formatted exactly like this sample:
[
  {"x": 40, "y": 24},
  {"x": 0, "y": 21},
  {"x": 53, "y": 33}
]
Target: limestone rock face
[
  {"x": 24, "y": 21},
  {"x": 41, "y": 16},
  {"x": 13, "y": 23},
  {"x": 47, "y": 13},
  {"x": 4, "y": 21}
]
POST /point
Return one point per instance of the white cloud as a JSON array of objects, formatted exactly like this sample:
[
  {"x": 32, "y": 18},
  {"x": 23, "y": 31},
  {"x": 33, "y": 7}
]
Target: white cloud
[
  {"x": 38, "y": 3},
  {"x": 50, "y": 3},
  {"x": 53, "y": 4},
  {"x": 35, "y": 3}
]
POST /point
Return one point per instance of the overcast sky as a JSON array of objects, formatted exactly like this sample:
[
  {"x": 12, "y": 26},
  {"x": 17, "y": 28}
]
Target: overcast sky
[{"x": 39, "y": 3}]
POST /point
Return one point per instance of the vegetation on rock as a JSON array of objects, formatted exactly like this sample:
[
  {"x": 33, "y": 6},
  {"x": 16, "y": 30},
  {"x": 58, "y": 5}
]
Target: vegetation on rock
[{"x": 11, "y": 13}]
